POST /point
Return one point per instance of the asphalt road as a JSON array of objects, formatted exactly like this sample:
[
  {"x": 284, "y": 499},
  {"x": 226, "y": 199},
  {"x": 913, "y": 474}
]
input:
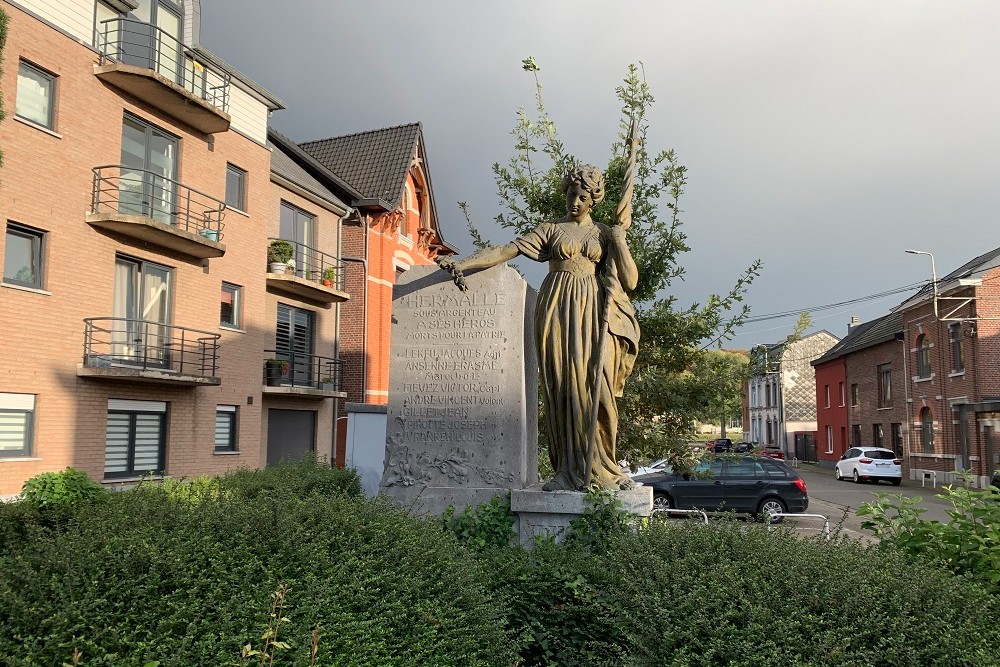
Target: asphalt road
[{"x": 838, "y": 501}]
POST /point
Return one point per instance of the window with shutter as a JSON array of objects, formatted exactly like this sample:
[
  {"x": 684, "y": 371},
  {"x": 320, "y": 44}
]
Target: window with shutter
[{"x": 294, "y": 342}]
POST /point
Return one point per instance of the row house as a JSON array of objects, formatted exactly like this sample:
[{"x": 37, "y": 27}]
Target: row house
[
  {"x": 923, "y": 380},
  {"x": 781, "y": 393},
  {"x": 141, "y": 204}
]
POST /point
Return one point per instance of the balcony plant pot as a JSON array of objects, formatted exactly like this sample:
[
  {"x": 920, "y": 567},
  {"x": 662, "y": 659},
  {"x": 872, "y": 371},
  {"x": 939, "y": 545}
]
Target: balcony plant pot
[
  {"x": 279, "y": 252},
  {"x": 274, "y": 370},
  {"x": 210, "y": 234},
  {"x": 327, "y": 384},
  {"x": 277, "y": 267},
  {"x": 328, "y": 275}
]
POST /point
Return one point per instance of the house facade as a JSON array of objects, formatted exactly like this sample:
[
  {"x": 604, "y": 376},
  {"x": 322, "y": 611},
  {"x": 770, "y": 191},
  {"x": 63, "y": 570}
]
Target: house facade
[{"x": 135, "y": 252}]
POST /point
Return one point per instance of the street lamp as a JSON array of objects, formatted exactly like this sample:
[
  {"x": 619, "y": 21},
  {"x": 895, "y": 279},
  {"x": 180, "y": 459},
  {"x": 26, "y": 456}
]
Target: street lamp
[{"x": 933, "y": 277}]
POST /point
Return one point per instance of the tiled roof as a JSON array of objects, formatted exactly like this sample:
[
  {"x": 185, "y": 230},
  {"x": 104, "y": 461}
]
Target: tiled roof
[
  {"x": 374, "y": 162},
  {"x": 283, "y": 165},
  {"x": 865, "y": 335},
  {"x": 971, "y": 269}
]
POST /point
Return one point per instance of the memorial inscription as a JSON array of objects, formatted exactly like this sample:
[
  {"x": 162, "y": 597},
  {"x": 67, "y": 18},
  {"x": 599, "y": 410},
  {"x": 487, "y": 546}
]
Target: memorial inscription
[{"x": 462, "y": 417}]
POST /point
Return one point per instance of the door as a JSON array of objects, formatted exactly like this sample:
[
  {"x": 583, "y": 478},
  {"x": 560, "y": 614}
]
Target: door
[
  {"x": 294, "y": 343},
  {"x": 291, "y": 434},
  {"x": 297, "y": 228},
  {"x": 142, "y": 311},
  {"x": 148, "y": 170},
  {"x": 151, "y": 39},
  {"x": 704, "y": 489},
  {"x": 744, "y": 482}
]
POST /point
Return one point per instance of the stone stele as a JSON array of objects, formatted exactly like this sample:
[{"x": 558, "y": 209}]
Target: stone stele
[{"x": 462, "y": 422}]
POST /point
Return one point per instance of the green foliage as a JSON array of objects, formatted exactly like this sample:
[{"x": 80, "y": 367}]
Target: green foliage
[
  {"x": 296, "y": 478},
  {"x": 602, "y": 521},
  {"x": 488, "y": 526},
  {"x": 280, "y": 251},
  {"x": 968, "y": 544},
  {"x": 189, "y": 579},
  {"x": 64, "y": 489}
]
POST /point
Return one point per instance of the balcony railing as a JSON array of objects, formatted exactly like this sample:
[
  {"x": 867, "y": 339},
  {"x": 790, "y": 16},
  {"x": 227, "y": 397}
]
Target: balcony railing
[
  {"x": 139, "y": 44},
  {"x": 285, "y": 368},
  {"x": 139, "y": 192},
  {"x": 130, "y": 347},
  {"x": 311, "y": 264}
]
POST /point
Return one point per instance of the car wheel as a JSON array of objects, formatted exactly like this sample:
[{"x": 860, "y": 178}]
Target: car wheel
[
  {"x": 896, "y": 481},
  {"x": 857, "y": 480},
  {"x": 770, "y": 506},
  {"x": 661, "y": 502},
  {"x": 838, "y": 474}
]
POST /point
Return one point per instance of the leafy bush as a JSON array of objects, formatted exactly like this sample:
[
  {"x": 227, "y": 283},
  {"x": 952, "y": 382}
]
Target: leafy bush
[
  {"x": 967, "y": 544},
  {"x": 61, "y": 489},
  {"x": 300, "y": 479},
  {"x": 488, "y": 526}
]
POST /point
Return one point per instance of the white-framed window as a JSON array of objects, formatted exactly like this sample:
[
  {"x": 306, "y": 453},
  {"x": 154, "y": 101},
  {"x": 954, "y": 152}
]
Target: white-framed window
[
  {"x": 225, "y": 428},
  {"x": 829, "y": 440},
  {"x": 231, "y": 306},
  {"x": 826, "y": 389},
  {"x": 17, "y": 425},
  {"x": 923, "y": 356},
  {"x": 23, "y": 254},
  {"x": 36, "y": 91},
  {"x": 884, "y": 386},
  {"x": 236, "y": 187},
  {"x": 957, "y": 355},
  {"x": 843, "y": 395},
  {"x": 136, "y": 438}
]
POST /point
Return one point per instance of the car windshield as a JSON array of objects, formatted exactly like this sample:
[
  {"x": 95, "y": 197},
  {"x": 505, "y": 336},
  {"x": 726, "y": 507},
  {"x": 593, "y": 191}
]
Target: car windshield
[{"x": 880, "y": 454}]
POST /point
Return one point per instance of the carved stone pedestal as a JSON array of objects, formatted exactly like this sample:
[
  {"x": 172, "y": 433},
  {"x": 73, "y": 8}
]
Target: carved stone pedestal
[{"x": 551, "y": 512}]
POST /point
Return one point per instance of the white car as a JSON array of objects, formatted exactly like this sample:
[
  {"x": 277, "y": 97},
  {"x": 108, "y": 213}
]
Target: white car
[
  {"x": 869, "y": 464},
  {"x": 656, "y": 466}
]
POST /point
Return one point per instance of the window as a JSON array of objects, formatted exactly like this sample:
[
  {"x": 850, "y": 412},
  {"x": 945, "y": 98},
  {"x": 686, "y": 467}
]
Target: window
[
  {"x": 878, "y": 435},
  {"x": 897, "y": 438},
  {"x": 297, "y": 227},
  {"x": 135, "y": 439},
  {"x": 826, "y": 389},
  {"x": 856, "y": 435},
  {"x": 35, "y": 95},
  {"x": 236, "y": 188},
  {"x": 225, "y": 428},
  {"x": 884, "y": 372},
  {"x": 843, "y": 396},
  {"x": 854, "y": 395},
  {"x": 923, "y": 357},
  {"x": 141, "y": 308},
  {"x": 149, "y": 167},
  {"x": 17, "y": 420},
  {"x": 957, "y": 358},
  {"x": 231, "y": 310},
  {"x": 293, "y": 342},
  {"x": 22, "y": 256},
  {"x": 927, "y": 431},
  {"x": 829, "y": 440}
]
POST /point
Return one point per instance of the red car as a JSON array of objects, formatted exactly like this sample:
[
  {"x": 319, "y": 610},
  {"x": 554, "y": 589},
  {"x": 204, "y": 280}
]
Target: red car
[{"x": 772, "y": 452}]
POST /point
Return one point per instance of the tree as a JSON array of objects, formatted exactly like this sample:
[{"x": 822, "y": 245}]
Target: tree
[
  {"x": 663, "y": 396},
  {"x": 720, "y": 375}
]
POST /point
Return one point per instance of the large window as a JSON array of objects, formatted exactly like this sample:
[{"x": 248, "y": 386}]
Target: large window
[
  {"x": 897, "y": 438},
  {"x": 885, "y": 386},
  {"x": 35, "y": 95},
  {"x": 141, "y": 307},
  {"x": 17, "y": 420},
  {"x": 298, "y": 227},
  {"x": 231, "y": 310},
  {"x": 225, "y": 428},
  {"x": 148, "y": 171},
  {"x": 293, "y": 342},
  {"x": 923, "y": 356},
  {"x": 236, "y": 188},
  {"x": 927, "y": 431},
  {"x": 856, "y": 435},
  {"x": 23, "y": 256},
  {"x": 957, "y": 357},
  {"x": 136, "y": 438}
]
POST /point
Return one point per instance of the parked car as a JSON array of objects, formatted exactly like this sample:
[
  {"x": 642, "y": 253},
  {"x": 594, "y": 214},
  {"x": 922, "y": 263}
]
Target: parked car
[
  {"x": 719, "y": 445},
  {"x": 864, "y": 464},
  {"x": 744, "y": 447},
  {"x": 746, "y": 484},
  {"x": 772, "y": 452},
  {"x": 656, "y": 466}
]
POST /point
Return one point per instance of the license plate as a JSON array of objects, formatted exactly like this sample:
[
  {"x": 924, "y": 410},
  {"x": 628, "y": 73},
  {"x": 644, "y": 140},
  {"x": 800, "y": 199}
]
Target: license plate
[{"x": 881, "y": 465}]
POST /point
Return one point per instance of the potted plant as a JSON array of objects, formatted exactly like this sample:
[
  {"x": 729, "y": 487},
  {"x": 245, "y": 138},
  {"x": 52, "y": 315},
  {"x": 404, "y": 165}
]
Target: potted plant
[
  {"x": 279, "y": 253},
  {"x": 329, "y": 274},
  {"x": 210, "y": 234},
  {"x": 327, "y": 384},
  {"x": 274, "y": 370}
]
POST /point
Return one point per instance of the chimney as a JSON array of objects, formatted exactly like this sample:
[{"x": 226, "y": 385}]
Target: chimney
[{"x": 855, "y": 321}]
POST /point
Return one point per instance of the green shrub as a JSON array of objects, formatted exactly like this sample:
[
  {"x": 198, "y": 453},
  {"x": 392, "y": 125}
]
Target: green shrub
[
  {"x": 969, "y": 543},
  {"x": 61, "y": 489},
  {"x": 300, "y": 479},
  {"x": 488, "y": 526}
]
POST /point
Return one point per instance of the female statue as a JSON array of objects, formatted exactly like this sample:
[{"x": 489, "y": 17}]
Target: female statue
[{"x": 586, "y": 331}]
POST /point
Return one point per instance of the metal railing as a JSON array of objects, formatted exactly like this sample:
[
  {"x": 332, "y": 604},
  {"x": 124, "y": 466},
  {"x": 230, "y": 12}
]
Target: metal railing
[
  {"x": 146, "y": 345},
  {"x": 121, "y": 189},
  {"x": 667, "y": 511},
  {"x": 286, "y": 368},
  {"x": 133, "y": 42},
  {"x": 777, "y": 515},
  {"x": 312, "y": 264}
]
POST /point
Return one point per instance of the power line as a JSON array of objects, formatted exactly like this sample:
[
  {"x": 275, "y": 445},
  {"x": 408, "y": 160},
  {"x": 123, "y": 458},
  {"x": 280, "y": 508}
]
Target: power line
[{"x": 814, "y": 309}]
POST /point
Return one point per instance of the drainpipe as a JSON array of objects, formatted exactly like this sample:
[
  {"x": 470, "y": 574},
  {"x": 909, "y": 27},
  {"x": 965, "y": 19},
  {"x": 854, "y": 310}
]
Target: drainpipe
[{"x": 907, "y": 445}]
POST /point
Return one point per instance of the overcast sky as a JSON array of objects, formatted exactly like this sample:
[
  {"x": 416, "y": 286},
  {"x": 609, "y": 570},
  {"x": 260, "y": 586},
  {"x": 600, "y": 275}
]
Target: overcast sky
[{"x": 823, "y": 138}]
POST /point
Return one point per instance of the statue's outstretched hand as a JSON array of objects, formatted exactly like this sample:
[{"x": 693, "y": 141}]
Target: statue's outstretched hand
[{"x": 456, "y": 273}]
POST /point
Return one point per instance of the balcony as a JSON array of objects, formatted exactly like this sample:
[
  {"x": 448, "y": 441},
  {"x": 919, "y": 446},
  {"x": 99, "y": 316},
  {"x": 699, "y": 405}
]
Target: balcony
[
  {"x": 118, "y": 348},
  {"x": 286, "y": 373},
  {"x": 301, "y": 271},
  {"x": 158, "y": 69},
  {"x": 143, "y": 205}
]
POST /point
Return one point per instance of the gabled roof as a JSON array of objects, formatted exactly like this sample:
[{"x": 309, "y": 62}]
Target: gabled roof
[
  {"x": 865, "y": 335},
  {"x": 327, "y": 179},
  {"x": 374, "y": 162},
  {"x": 974, "y": 268},
  {"x": 285, "y": 167}
]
